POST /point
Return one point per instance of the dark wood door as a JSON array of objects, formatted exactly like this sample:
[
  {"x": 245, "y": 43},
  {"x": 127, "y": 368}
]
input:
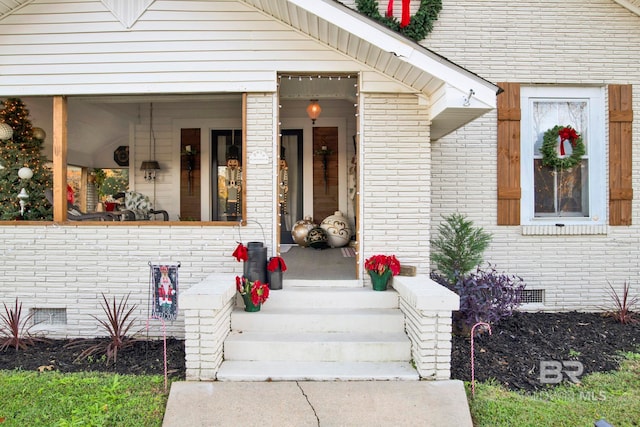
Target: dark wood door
[
  {"x": 190, "y": 175},
  {"x": 325, "y": 172}
]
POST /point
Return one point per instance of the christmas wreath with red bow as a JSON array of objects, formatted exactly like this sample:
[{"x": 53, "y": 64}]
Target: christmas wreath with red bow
[
  {"x": 550, "y": 143},
  {"x": 415, "y": 27}
]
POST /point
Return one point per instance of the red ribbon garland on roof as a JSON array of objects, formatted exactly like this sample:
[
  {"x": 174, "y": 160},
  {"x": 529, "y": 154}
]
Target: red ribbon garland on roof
[{"x": 406, "y": 13}]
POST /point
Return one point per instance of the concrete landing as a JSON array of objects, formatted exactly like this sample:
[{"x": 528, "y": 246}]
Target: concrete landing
[{"x": 324, "y": 404}]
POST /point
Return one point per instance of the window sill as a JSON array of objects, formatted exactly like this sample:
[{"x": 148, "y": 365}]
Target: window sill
[{"x": 565, "y": 230}]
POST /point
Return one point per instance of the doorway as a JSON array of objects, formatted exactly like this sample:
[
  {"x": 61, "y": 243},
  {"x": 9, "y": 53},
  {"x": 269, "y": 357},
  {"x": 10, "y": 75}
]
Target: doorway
[
  {"x": 290, "y": 182},
  {"x": 310, "y": 184}
]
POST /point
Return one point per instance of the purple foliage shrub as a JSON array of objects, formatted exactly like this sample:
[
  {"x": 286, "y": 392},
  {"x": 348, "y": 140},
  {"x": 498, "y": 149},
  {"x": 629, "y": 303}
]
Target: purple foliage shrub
[{"x": 487, "y": 296}]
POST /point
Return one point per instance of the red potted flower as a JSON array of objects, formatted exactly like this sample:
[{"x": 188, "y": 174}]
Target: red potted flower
[
  {"x": 254, "y": 293},
  {"x": 380, "y": 269}
]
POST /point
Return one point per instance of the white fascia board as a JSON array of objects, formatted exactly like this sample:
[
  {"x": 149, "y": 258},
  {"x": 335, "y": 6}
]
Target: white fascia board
[
  {"x": 432, "y": 64},
  {"x": 347, "y": 20},
  {"x": 462, "y": 82},
  {"x": 137, "y": 88}
]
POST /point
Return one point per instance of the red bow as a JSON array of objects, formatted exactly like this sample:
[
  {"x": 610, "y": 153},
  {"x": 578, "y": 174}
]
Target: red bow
[
  {"x": 567, "y": 134},
  {"x": 241, "y": 253},
  {"x": 406, "y": 14}
]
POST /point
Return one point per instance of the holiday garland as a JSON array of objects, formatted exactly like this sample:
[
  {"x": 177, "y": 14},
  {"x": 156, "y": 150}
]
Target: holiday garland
[
  {"x": 418, "y": 27},
  {"x": 549, "y": 148}
]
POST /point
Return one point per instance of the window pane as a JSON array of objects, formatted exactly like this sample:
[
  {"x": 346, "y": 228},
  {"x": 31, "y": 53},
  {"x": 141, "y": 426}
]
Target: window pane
[
  {"x": 547, "y": 114},
  {"x": 227, "y": 186},
  {"x": 544, "y": 184},
  {"x": 572, "y": 189},
  {"x": 563, "y": 193}
]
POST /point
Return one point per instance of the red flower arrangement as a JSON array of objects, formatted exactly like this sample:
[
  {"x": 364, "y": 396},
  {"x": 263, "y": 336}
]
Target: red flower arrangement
[
  {"x": 241, "y": 253},
  {"x": 258, "y": 291},
  {"x": 380, "y": 264},
  {"x": 275, "y": 263}
]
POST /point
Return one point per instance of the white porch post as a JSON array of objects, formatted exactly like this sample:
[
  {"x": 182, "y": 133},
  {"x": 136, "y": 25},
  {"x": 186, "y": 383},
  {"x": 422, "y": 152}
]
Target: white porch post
[
  {"x": 427, "y": 308},
  {"x": 207, "y": 310}
]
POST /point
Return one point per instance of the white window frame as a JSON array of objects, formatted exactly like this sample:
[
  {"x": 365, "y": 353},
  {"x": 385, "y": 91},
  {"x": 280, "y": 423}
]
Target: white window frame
[{"x": 596, "y": 153}]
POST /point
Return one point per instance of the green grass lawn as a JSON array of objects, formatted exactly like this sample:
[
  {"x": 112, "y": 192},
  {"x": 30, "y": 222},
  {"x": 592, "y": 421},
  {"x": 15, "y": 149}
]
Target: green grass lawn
[
  {"x": 53, "y": 399},
  {"x": 614, "y": 396}
]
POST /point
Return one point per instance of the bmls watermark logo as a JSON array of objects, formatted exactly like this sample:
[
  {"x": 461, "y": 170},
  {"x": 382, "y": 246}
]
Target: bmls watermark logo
[{"x": 554, "y": 371}]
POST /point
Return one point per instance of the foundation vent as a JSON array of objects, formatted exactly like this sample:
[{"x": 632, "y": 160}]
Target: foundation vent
[
  {"x": 533, "y": 296},
  {"x": 49, "y": 316}
]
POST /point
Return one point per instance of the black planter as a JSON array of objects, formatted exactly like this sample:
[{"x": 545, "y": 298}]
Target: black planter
[
  {"x": 255, "y": 268},
  {"x": 275, "y": 279}
]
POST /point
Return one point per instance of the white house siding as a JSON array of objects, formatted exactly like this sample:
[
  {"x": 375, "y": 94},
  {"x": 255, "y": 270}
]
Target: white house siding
[
  {"x": 396, "y": 178},
  {"x": 546, "y": 42},
  {"x": 79, "y": 47}
]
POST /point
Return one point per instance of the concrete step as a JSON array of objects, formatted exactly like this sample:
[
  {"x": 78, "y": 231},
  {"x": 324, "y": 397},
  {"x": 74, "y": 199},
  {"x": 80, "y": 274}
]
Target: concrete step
[
  {"x": 294, "y": 320},
  {"x": 331, "y": 283},
  {"x": 316, "y": 297},
  {"x": 318, "y": 346},
  {"x": 315, "y": 371}
]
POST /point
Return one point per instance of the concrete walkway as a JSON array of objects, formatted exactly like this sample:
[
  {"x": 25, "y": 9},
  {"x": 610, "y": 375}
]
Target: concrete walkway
[{"x": 323, "y": 404}]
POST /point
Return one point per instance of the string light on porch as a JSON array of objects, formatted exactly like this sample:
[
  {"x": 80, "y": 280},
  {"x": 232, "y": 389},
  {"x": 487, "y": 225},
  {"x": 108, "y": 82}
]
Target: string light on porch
[{"x": 299, "y": 77}]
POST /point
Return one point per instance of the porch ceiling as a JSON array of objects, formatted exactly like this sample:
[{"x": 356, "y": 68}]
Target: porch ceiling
[
  {"x": 8, "y": 6},
  {"x": 444, "y": 83}
]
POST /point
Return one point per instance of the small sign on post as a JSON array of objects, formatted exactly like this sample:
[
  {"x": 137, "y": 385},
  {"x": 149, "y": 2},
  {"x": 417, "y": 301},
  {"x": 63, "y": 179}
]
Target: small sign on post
[{"x": 164, "y": 291}]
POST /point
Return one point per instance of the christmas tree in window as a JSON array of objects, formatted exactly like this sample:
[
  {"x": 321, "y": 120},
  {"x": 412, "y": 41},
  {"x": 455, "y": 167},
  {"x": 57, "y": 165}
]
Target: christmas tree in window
[{"x": 24, "y": 176}]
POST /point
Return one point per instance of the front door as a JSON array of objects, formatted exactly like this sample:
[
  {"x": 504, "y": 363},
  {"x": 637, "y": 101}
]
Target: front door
[{"x": 325, "y": 172}]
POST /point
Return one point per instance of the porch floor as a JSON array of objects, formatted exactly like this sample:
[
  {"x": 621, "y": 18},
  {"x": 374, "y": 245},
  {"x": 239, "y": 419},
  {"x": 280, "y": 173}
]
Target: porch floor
[{"x": 327, "y": 264}]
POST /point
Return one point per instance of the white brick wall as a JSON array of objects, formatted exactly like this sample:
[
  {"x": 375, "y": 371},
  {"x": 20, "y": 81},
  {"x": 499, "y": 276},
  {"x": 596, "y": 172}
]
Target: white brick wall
[
  {"x": 396, "y": 178},
  {"x": 563, "y": 42}
]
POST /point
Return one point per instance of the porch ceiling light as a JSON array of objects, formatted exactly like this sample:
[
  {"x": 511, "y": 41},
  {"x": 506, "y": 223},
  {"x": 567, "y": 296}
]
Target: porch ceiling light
[
  {"x": 150, "y": 167},
  {"x": 314, "y": 110}
]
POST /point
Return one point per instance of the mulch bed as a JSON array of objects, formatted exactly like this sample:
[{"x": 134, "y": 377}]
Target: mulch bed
[
  {"x": 142, "y": 358},
  {"x": 511, "y": 354}
]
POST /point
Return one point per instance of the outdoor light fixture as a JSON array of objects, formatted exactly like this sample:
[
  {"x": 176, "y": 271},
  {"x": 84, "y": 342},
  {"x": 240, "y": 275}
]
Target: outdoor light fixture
[
  {"x": 314, "y": 110},
  {"x": 150, "y": 166}
]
